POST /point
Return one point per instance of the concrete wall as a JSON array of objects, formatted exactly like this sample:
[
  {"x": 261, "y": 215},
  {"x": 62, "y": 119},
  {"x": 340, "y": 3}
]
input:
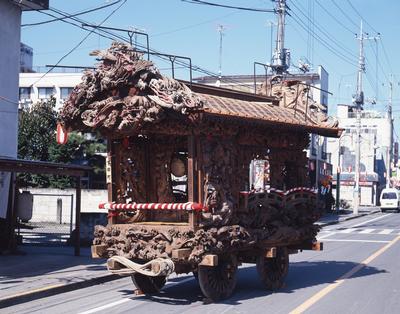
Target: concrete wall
[
  {"x": 368, "y": 194},
  {"x": 10, "y": 17},
  {"x": 45, "y": 204}
]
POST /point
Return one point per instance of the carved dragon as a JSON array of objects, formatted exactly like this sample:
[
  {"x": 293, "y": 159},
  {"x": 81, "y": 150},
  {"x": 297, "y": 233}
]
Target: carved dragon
[{"x": 123, "y": 93}]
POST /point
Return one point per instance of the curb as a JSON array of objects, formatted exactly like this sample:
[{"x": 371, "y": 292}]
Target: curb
[
  {"x": 53, "y": 290},
  {"x": 348, "y": 218}
]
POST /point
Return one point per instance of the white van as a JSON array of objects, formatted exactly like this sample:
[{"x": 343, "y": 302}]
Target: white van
[{"x": 390, "y": 199}]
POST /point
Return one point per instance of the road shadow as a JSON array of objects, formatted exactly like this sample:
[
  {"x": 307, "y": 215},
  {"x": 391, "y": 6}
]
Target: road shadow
[
  {"x": 301, "y": 275},
  {"x": 36, "y": 261}
]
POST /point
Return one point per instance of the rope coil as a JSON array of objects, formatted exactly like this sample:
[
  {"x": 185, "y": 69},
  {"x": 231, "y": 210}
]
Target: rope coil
[{"x": 154, "y": 268}]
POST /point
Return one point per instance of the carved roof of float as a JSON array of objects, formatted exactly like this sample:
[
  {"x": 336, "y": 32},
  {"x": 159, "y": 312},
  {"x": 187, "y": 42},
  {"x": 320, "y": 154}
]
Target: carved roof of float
[
  {"x": 263, "y": 112},
  {"x": 126, "y": 93}
]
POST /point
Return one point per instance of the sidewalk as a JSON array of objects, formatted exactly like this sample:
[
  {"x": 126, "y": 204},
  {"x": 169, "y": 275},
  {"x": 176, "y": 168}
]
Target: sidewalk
[
  {"x": 44, "y": 271},
  {"x": 334, "y": 218}
]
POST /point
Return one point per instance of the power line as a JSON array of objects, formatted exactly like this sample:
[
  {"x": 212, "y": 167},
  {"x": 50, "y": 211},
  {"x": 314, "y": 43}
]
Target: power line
[
  {"x": 326, "y": 33},
  {"x": 358, "y": 13},
  {"x": 345, "y": 14},
  {"x": 386, "y": 55},
  {"x": 324, "y": 42},
  {"x": 112, "y": 36},
  {"x": 334, "y": 17},
  {"x": 72, "y": 15},
  {"x": 228, "y": 6},
  {"x": 380, "y": 65},
  {"x": 77, "y": 45},
  {"x": 192, "y": 25}
]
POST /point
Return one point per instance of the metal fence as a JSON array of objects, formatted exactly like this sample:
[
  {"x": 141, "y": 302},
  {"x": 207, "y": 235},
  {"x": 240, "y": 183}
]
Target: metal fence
[{"x": 52, "y": 221}]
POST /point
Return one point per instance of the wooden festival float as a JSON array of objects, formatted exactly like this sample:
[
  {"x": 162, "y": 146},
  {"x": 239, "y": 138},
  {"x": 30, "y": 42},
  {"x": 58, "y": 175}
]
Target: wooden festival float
[{"x": 179, "y": 196}]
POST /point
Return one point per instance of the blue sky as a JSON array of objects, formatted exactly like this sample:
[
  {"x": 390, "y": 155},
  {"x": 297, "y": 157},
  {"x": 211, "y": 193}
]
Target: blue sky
[{"x": 323, "y": 31}]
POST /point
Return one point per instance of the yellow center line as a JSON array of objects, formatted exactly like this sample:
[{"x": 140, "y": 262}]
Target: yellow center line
[{"x": 318, "y": 296}]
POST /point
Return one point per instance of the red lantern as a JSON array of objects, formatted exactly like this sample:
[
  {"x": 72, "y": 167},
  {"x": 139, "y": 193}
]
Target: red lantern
[{"x": 62, "y": 134}]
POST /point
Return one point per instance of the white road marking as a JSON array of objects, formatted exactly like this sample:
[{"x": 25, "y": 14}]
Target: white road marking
[
  {"x": 349, "y": 230},
  {"x": 353, "y": 240},
  {"x": 386, "y": 231},
  {"x": 107, "y": 306},
  {"x": 124, "y": 300},
  {"x": 326, "y": 235},
  {"x": 371, "y": 220},
  {"x": 367, "y": 231}
]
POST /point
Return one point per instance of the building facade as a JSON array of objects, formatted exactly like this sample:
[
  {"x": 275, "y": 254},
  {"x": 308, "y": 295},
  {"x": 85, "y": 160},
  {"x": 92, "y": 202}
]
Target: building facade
[
  {"x": 34, "y": 87},
  {"x": 10, "y": 29},
  {"x": 374, "y": 158}
]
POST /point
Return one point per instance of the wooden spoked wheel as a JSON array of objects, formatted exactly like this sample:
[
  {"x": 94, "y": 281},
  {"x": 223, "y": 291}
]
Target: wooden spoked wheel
[
  {"x": 218, "y": 282},
  {"x": 273, "y": 271},
  {"x": 148, "y": 284}
]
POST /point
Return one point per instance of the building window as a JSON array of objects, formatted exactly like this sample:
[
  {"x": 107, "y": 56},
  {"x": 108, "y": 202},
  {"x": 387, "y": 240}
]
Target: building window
[
  {"x": 45, "y": 92},
  {"x": 24, "y": 93},
  {"x": 65, "y": 92}
]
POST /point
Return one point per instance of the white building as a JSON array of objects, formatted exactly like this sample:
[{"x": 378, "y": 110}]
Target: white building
[
  {"x": 34, "y": 87},
  {"x": 374, "y": 146},
  {"x": 10, "y": 29}
]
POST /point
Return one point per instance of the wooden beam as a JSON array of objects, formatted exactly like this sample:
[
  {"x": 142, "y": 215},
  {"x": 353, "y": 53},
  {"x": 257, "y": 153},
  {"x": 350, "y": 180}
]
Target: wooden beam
[
  {"x": 200, "y": 173},
  {"x": 270, "y": 252},
  {"x": 181, "y": 254},
  {"x": 41, "y": 167},
  {"x": 98, "y": 251},
  {"x": 317, "y": 246},
  {"x": 109, "y": 176},
  {"x": 78, "y": 217},
  {"x": 191, "y": 169},
  {"x": 209, "y": 260}
]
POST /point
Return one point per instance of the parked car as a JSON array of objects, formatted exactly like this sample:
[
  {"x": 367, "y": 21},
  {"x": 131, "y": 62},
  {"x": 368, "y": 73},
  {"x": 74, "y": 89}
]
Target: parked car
[{"x": 390, "y": 199}]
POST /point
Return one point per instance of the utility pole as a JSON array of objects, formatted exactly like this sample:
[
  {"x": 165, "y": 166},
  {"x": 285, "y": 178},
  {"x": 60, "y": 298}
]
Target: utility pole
[
  {"x": 281, "y": 57},
  {"x": 390, "y": 147},
  {"x": 220, "y": 30},
  {"x": 358, "y": 102}
]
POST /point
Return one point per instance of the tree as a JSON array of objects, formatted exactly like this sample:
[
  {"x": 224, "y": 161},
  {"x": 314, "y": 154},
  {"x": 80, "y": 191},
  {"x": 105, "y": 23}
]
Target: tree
[
  {"x": 35, "y": 135},
  {"x": 37, "y": 141}
]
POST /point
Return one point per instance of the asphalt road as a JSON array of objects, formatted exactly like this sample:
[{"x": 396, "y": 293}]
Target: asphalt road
[{"x": 358, "y": 272}]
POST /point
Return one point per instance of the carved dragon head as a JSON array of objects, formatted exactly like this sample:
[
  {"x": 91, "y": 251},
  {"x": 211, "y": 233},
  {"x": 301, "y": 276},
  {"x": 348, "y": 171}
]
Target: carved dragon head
[{"x": 123, "y": 93}]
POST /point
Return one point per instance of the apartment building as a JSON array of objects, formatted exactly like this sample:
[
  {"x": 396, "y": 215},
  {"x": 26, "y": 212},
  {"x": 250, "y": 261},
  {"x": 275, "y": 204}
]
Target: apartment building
[{"x": 374, "y": 158}]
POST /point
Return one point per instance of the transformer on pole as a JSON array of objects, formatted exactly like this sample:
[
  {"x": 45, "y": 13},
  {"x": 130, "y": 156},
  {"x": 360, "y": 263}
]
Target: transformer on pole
[{"x": 281, "y": 56}]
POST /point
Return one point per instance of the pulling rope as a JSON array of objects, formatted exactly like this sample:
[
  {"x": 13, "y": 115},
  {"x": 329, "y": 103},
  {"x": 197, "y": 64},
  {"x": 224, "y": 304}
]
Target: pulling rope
[{"x": 156, "y": 267}]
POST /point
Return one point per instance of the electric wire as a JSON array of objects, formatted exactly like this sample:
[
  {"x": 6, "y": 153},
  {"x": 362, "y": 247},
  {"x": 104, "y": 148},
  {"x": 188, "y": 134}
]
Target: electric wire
[
  {"x": 334, "y": 18},
  {"x": 192, "y": 26},
  {"x": 380, "y": 66},
  {"x": 79, "y": 43},
  {"x": 325, "y": 32},
  {"x": 386, "y": 55},
  {"x": 360, "y": 16},
  {"x": 229, "y": 6},
  {"x": 327, "y": 45},
  {"x": 345, "y": 14},
  {"x": 72, "y": 15},
  {"x": 113, "y": 36},
  {"x": 125, "y": 39}
]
